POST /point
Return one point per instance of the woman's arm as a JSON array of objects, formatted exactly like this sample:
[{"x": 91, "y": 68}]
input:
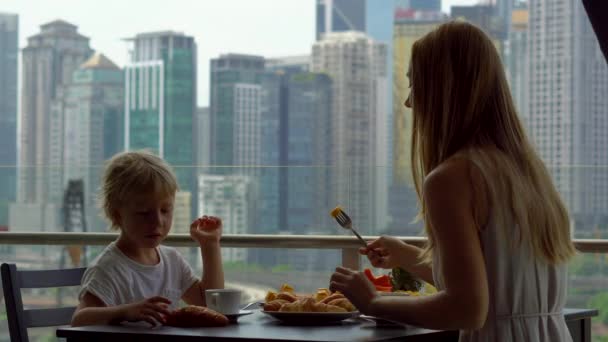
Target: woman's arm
[{"x": 463, "y": 303}]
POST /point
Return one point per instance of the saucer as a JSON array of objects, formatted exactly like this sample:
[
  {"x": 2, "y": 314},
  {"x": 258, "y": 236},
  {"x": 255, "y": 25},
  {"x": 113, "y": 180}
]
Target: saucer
[{"x": 234, "y": 317}]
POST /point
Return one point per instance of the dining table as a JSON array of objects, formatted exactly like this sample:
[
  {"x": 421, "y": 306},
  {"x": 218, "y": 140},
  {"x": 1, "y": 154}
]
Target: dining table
[{"x": 261, "y": 327}]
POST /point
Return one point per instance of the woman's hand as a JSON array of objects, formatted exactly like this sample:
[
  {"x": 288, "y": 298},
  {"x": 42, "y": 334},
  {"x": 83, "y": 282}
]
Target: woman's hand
[
  {"x": 355, "y": 286},
  {"x": 206, "y": 230},
  {"x": 153, "y": 310},
  {"x": 385, "y": 252}
]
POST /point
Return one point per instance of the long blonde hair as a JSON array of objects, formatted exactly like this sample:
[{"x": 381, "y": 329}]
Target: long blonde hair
[{"x": 462, "y": 105}]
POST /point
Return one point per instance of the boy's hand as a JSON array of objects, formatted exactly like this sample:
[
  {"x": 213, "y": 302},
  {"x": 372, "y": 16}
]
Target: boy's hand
[
  {"x": 152, "y": 310},
  {"x": 207, "y": 229}
]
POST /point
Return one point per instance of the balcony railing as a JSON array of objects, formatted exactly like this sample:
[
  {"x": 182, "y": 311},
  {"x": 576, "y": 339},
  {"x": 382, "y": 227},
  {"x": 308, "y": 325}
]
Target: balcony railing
[{"x": 348, "y": 245}]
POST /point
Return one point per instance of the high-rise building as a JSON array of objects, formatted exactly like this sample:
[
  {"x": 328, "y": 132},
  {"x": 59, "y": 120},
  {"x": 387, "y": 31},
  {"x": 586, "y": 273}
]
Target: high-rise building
[
  {"x": 418, "y": 5},
  {"x": 357, "y": 67},
  {"x": 202, "y": 138},
  {"x": 182, "y": 215},
  {"x": 484, "y": 16},
  {"x": 9, "y": 37},
  {"x": 305, "y": 144},
  {"x": 235, "y": 95},
  {"x": 516, "y": 58},
  {"x": 379, "y": 20},
  {"x": 160, "y": 99},
  {"x": 230, "y": 198},
  {"x": 86, "y": 125},
  {"x": 49, "y": 61},
  {"x": 402, "y": 194},
  {"x": 340, "y": 16},
  {"x": 568, "y": 107},
  {"x": 290, "y": 64}
]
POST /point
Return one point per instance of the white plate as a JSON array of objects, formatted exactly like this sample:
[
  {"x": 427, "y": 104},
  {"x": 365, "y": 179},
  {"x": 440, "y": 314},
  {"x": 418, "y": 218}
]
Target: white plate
[{"x": 311, "y": 318}]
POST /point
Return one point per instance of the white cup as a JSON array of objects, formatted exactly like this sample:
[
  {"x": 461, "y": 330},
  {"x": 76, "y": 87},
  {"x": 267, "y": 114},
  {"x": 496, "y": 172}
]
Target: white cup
[{"x": 225, "y": 301}]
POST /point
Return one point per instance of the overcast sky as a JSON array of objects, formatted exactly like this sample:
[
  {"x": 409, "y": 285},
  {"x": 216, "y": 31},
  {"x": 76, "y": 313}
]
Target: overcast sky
[{"x": 271, "y": 28}]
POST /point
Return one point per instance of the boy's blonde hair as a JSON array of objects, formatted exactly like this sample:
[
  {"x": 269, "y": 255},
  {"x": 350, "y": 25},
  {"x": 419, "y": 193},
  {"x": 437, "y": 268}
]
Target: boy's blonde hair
[{"x": 130, "y": 173}]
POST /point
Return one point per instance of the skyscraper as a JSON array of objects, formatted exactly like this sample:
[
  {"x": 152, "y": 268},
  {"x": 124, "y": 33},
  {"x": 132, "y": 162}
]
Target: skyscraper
[
  {"x": 402, "y": 194},
  {"x": 307, "y": 140},
  {"x": 357, "y": 67},
  {"x": 379, "y": 20},
  {"x": 87, "y": 119},
  {"x": 568, "y": 107},
  {"x": 202, "y": 138},
  {"x": 486, "y": 18},
  {"x": 340, "y": 16},
  {"x": 160, "y": 99},
  {"x": 234, "y": 81},
  {"x": 49, "y": 60},
  {"x": 418, "y": 5},
  {"x": 516, "y": 58},
  {"x": 229, "y": 197},
  {"x": 9, "y": 36}
]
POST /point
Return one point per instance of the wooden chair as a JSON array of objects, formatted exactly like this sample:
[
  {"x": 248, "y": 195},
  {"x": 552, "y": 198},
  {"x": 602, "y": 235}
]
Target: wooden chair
[{"x": 20, "y": 319}]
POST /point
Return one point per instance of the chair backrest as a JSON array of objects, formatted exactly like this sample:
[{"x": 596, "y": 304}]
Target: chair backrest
[{"x": 20, "y": 319}]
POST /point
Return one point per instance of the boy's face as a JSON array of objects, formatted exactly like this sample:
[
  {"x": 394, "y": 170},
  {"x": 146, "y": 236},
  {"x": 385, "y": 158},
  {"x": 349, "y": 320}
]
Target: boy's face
[{"x": 145, "y": 220}]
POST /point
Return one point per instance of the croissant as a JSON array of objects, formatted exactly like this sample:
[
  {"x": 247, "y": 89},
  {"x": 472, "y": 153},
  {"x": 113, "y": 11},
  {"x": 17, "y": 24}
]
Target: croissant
[
  {"x": 286, "y": 296},
  {"x": 321, "y": 294},
  {"x": 332, "y": 297},
  {"x": 274, "y": 305},
  {"x": 196, "y": 316},
  {"x": 321, "y": 307},
  {"x": 292, "y": 307},
  {"x": 343, "y": 303}
]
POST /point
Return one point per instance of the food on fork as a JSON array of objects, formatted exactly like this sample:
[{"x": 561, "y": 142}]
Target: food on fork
[
  {"x": 335, "y": 211},
  {"x": 196, "y": 316}
]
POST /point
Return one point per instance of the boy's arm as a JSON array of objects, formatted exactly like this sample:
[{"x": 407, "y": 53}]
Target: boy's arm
[
  {"x": 207, "y": 231},
  {"x": 212, "y": 277},
  {"x": 93, "y": 311}
]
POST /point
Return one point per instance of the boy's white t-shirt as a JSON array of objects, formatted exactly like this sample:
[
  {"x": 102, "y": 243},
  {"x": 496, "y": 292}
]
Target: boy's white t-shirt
[{"x": 116, "y": 279}]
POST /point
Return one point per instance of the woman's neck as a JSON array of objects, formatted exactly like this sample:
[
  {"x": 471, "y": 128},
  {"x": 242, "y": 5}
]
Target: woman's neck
[{"x": 142, "y": 255}]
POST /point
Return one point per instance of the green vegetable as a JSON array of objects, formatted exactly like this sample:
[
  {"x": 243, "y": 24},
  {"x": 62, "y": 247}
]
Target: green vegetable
[{"x": 404, "y": 280}]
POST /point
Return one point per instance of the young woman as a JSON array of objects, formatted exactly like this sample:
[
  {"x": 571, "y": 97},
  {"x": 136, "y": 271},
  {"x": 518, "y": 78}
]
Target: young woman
[{"x": 498, "y": 232}]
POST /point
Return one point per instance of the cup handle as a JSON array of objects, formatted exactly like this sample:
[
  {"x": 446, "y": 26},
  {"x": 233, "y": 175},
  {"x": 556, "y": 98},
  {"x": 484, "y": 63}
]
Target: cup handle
[{"x": 214, "y": 297}]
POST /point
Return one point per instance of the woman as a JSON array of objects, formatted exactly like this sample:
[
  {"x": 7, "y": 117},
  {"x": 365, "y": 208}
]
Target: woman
[{"x": 498, "y": 232}]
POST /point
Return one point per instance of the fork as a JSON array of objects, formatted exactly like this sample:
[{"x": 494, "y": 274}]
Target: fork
[{"x": 345, "y": 222}]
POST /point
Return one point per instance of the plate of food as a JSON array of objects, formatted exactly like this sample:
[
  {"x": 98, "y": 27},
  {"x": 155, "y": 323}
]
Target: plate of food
[
  {"x": 323, "y": 307},
  {"x": 397, "y": 283}
]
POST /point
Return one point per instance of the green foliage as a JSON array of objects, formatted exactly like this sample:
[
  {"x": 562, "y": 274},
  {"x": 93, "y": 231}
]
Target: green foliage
[
  {"x": 242, "y": 266},
  {"x": 600, "y": 302},
  {"x": 281, "y": 268}
]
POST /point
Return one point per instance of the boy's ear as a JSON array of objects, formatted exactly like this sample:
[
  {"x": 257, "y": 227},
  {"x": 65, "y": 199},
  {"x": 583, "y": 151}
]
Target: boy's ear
[{"x": 116, "y": 219}]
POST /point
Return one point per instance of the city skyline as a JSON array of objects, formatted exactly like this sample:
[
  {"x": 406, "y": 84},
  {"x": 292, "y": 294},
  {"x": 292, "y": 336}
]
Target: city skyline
[{"x": 216, "y": 35}]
